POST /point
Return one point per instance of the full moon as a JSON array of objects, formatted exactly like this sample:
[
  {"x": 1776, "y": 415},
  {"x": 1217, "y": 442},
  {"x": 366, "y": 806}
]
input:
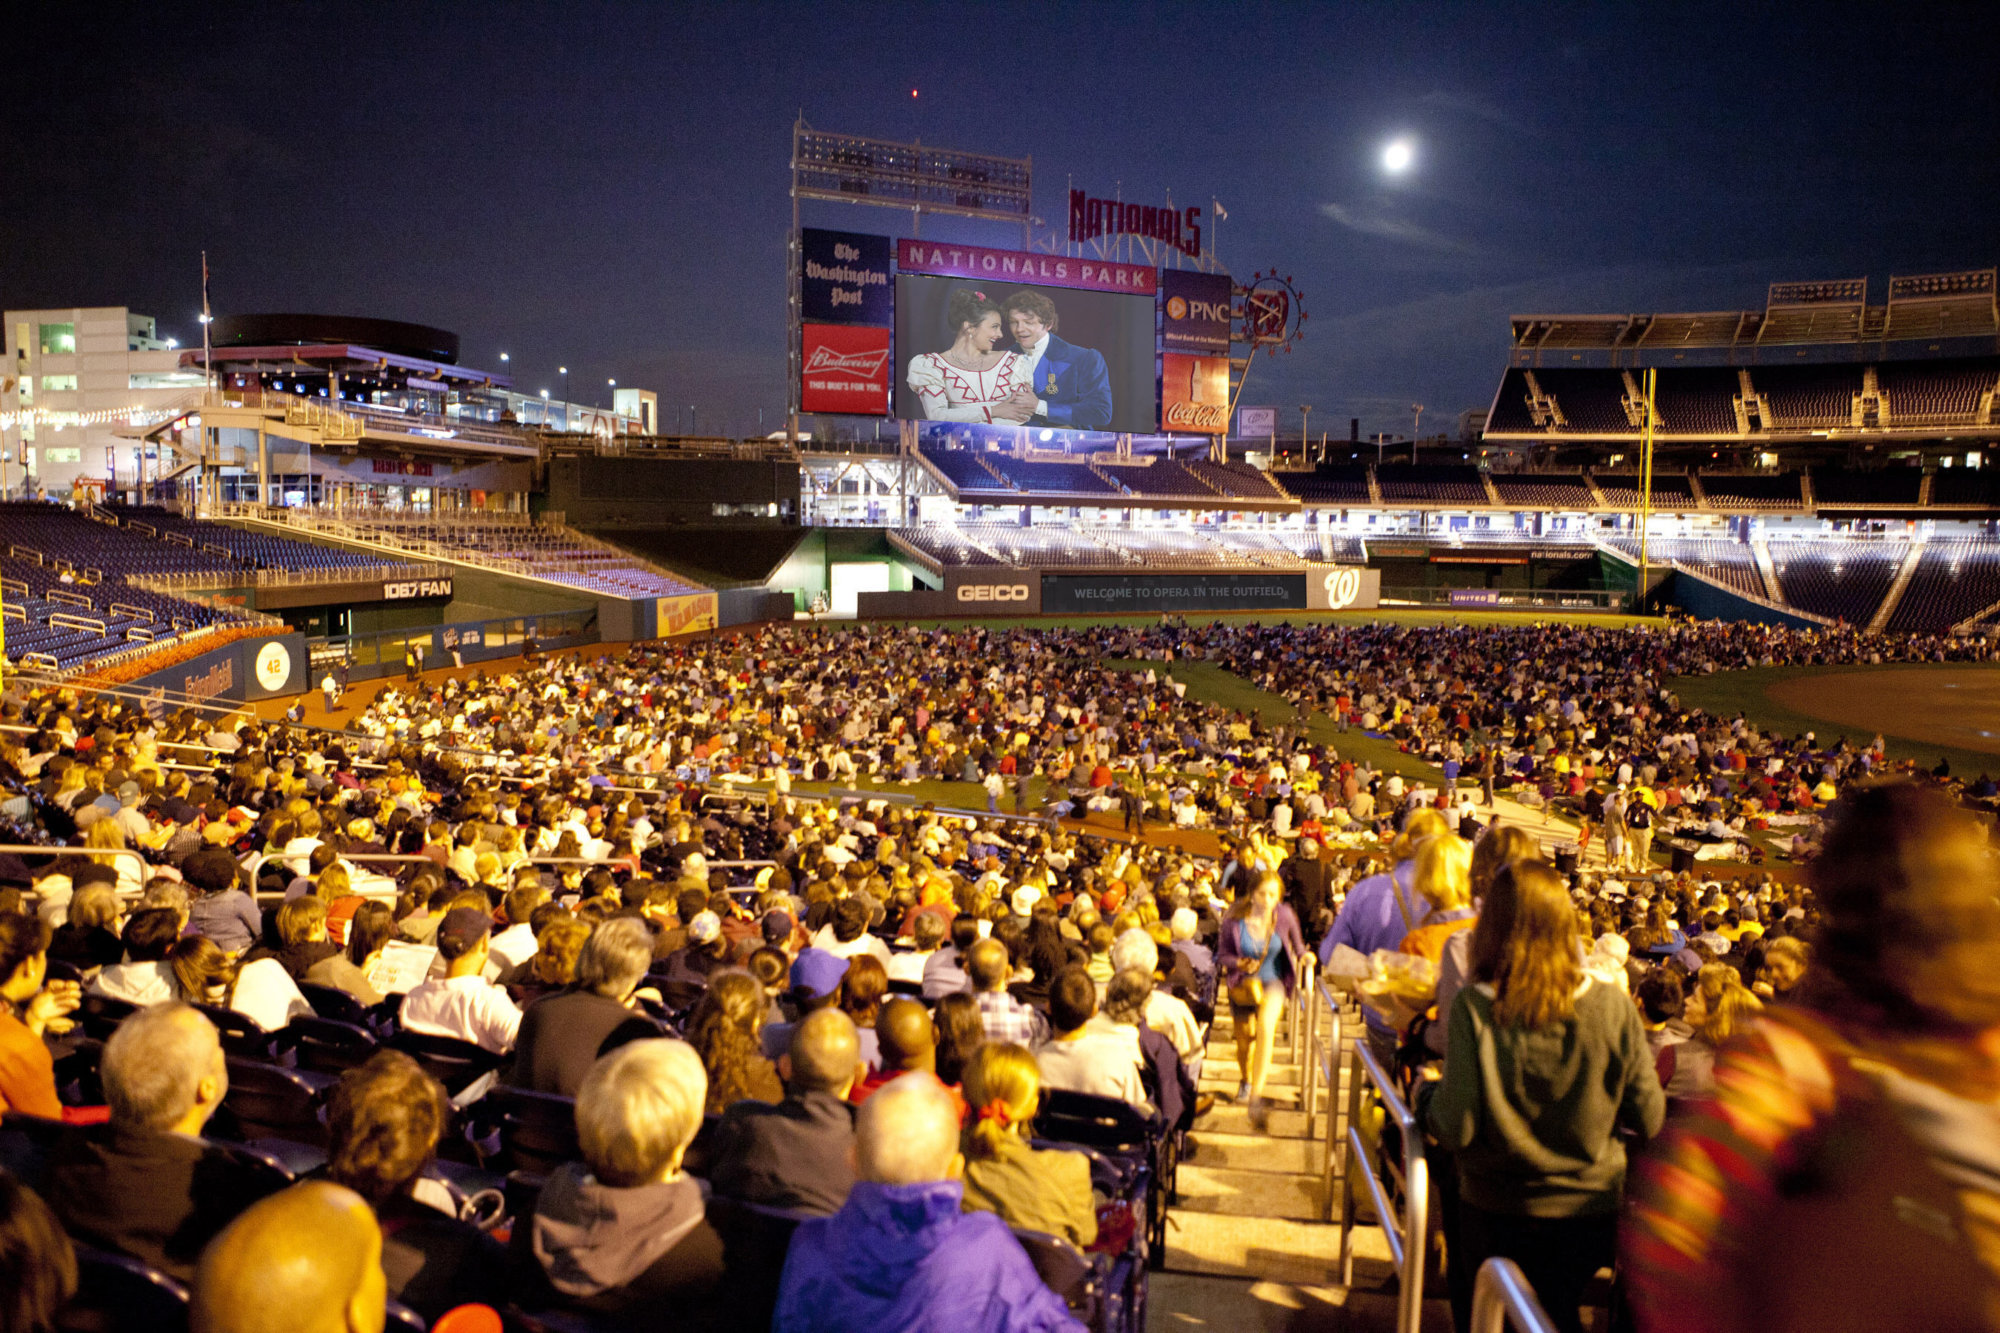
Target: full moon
[{"x": 1398, "y": 156}]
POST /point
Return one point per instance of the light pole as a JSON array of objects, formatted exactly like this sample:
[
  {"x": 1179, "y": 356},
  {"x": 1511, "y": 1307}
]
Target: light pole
[
  {"x": 564, "y": 372},
  {"x": 1416, "y": 429},
  {"x": 614, "y": 391},
  {"x": 1305, "y": 430}
]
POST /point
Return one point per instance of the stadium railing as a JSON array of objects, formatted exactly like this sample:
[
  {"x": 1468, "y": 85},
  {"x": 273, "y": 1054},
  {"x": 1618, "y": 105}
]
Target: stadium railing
[
  {"x": 1406, "y": 1238},
  {"x": 1322, "y": 1065},
  {"x": 91, "y": 852},
  {"x": 1502, "y": 1298}
]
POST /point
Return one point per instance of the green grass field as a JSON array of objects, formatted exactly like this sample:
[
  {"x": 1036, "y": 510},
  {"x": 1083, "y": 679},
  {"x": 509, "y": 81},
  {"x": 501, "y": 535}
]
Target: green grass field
[{"x": 1727, "y": 693}]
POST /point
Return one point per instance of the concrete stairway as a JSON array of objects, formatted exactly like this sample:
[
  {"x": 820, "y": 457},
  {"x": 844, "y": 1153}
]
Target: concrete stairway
[{"x": 1246, "y": 1246}]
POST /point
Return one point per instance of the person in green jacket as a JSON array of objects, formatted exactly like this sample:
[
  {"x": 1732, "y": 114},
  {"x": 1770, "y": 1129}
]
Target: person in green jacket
[{"x": 1542, "y": 1067}]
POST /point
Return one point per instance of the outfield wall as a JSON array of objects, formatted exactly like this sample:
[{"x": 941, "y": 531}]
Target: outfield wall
[{"x": 983, "y": 590}]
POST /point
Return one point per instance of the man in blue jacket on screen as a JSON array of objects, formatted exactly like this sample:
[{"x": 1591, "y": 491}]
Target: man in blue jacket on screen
[{"x": 1069, "y": 387}]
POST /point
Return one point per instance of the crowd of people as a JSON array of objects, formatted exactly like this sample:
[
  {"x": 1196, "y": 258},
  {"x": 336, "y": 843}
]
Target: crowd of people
[{"x": 608, "y": 875}]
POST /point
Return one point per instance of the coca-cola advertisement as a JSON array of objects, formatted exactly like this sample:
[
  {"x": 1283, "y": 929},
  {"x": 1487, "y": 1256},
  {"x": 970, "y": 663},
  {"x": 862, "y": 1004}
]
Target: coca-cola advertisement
[
  {"x": 845, "y": 369},
  {"x": 1194, "y": 394}
]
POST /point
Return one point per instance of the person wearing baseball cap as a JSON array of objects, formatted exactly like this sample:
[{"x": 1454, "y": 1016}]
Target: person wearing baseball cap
[
  {"x": 463, "y": 1003},
  {"x": 816, "y": 979}
]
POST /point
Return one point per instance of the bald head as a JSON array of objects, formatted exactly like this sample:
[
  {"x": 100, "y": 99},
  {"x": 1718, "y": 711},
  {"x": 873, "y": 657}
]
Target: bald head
[
  {"x": 907, "y": 1133},
  {"x": 305, "y": 1260},
  {"x": 904, "y": 1033},
  {"x": 825, "y": 1053},
  {"x": 988, "y": 965}
]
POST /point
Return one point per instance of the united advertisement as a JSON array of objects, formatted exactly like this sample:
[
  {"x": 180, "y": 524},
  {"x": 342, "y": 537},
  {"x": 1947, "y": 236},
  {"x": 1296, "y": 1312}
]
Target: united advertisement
[{"x": 844, "y": 368}]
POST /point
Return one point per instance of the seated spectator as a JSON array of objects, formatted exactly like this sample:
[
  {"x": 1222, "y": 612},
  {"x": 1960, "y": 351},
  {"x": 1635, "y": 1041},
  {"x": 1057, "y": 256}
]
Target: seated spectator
[
  {"x": 218, "y": 907},
  {"x": 1166, "y": 1013},
  {"x": 944, "y": 971},
  {"x": 373, "y": 926},
  {"x": 817, "y": 980},
  {"x": 1718, "y": 1006},
  {"x": 926, "y": 936},
  {"x": 563, "y": 1034},
  {"x": 1100, "y": 1058},
  {"x": 553, "y": 967},
  {"x": 306, "y": 1260},
  {"x": 625, "y": 1230},
  {"x": 1037, "y": 1189},
  {"x": 1169, "y": 1084},
  {"x": 846, "y": 935},
  {"x": 145, "y": 1184},
  {"x": 798, "y": 1153},
  {"x": 260, "y": 989},
  {"x": 31, "y": 1002},
  {"x": 708, "y": 951},
  {"x": 959, "y": 1033},
  {"x": 907, "y": 1039},
  {"x": 515, "y": 945},
  {"x": 383, "y": 1122},
  {"x": 302, "y": 936},
  {"x": 37, "y": 1261},
  {"x": 901, "y": 1253},
  {"x": 1785, "y": 964},
  {"x": 724, "y": 1032},
  {"x": 89, "y": 939},
  {"x": 144, "y": 977},
  {"x": 1660, "y": 998},
  {"x": 463, "y": 1003},
  {"x": 989, "y": 967},
  {"x": 861, "y": 991}
]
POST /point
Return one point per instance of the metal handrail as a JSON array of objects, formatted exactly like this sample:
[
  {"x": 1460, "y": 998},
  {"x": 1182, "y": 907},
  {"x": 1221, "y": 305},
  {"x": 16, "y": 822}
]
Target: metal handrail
[
  {"x": 1502, "y": 1297},
  {"x": 1406, "y": 1243},
  {"x": 92, "y": 852},
  {"x": 1323, "y": 1062}
]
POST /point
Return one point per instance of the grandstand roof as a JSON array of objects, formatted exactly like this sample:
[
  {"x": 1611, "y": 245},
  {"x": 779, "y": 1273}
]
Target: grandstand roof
[{"x": 1927, "y": 315}]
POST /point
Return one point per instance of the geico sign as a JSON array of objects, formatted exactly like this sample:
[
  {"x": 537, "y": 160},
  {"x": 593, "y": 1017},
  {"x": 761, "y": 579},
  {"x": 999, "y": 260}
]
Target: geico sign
[
  {"x": 993, "y": 592},
  {"x": 1342, "y": 587}
]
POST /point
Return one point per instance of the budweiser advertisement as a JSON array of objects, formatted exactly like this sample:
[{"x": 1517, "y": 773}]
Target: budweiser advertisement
[
  {"x": 845, "y": 369},
  {"x": 1194, "y": 393}
]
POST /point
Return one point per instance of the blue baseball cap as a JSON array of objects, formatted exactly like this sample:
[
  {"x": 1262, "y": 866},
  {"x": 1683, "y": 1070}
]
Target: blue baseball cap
[{"x": 816, "y": 973}]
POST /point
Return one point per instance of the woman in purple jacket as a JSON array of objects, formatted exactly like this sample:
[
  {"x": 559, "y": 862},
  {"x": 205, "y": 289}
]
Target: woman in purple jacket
[{"x": 1258, "y": 962}]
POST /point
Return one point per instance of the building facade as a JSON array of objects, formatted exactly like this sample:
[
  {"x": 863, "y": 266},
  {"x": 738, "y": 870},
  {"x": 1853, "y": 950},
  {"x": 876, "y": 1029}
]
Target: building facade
[{"x": 71, "y": 379}]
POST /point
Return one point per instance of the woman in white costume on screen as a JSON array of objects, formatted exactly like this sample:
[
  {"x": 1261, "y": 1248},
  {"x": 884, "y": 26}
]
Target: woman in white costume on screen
[{"x": 972, "y": 380}]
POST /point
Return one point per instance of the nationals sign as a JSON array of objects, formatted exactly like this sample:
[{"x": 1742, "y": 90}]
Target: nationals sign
[
  {"x": 844, "y": 368},
  {"x": 976, "y": 261}
]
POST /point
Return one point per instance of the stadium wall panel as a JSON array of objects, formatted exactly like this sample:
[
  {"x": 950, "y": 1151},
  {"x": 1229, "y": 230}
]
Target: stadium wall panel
[
  {"x": 1084, "y": 593},
  {"x": 1711, "y": 601}
]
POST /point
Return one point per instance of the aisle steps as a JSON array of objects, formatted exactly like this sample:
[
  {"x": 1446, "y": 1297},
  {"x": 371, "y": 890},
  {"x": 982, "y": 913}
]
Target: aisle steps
[{"x": 1246, "y": 1248}]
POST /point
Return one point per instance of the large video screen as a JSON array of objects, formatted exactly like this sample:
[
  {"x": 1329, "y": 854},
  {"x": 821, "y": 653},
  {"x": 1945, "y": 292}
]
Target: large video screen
[{"x": 1014, "y": 353}]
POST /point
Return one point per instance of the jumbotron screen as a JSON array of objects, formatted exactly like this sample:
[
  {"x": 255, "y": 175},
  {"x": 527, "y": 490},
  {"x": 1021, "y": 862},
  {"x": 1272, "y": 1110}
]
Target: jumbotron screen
[{"x": 1007, "y": 352}]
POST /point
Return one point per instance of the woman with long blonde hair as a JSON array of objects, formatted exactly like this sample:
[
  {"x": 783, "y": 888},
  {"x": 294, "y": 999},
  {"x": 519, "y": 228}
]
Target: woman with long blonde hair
[
  {"x": 1718, "y": 1006},
  {"x": 1544, "y": 1066},
  {"x": 1036, "y": 1188},
  {"x": 1258, "y": 962}
]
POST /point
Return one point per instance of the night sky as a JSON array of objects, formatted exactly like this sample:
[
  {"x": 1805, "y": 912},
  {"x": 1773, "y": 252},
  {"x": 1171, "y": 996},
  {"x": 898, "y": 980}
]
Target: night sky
[{"x": 605, "y": 185}]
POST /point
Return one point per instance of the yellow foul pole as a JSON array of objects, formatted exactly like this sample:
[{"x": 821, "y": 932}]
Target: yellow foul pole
[{"x": 1646, "y": 479}]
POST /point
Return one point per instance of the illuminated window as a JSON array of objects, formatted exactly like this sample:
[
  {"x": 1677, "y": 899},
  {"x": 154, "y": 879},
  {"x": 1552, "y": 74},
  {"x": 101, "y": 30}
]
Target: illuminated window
[
  {"x": 63, "y": 455},
  {"x": 58, "y": 383},
  {"x": 58, "y": 339}
]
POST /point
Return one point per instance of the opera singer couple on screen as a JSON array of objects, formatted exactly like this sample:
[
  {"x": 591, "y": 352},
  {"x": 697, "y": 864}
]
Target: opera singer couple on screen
[{"x": 1006, "y": 364}]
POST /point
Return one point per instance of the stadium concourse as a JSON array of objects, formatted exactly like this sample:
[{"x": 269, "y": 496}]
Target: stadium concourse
[{"x": 442, "y": 943}]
